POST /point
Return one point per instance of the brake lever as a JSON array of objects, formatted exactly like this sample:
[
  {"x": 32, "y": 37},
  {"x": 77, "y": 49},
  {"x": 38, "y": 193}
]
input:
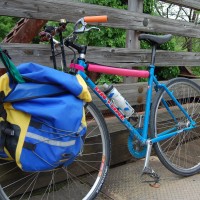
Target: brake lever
[
  {"x": 93, "y": 27},
  {"x": 83, "y": 28},
  {"x": 81, "y": 23}
]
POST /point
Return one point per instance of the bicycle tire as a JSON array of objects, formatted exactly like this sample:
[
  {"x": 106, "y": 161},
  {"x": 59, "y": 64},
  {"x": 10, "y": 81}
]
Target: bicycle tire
[
  {"x": 82, "y": 179},
  {"x": 178, "y": 153}
]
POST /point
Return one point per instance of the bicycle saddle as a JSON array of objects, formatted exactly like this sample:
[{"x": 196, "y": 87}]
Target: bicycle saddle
[{"x": 156, "y": 39}]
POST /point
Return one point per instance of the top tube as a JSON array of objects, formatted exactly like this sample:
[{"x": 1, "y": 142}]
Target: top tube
[{"x": 113, "y": 70}]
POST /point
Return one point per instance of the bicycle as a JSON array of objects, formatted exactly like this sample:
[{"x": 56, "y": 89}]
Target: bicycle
[{"x": 172, "y": 117}]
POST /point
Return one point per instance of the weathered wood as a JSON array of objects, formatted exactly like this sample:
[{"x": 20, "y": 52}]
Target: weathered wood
[
  {"x": 134, "y": 93},
  {"x": 195, "y": 4},
  {"x": 132, "y": 41},
  {"x": 55, "y": 10},
  {"x": 123, "y": 57},
  {"x": 119, "y": 148},
  {"x": 118, "y": 57}
]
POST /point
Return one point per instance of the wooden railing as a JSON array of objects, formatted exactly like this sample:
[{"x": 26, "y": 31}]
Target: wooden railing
[
  {"x": 117, "y": 18},
  {"x": 119, "y": 57}
]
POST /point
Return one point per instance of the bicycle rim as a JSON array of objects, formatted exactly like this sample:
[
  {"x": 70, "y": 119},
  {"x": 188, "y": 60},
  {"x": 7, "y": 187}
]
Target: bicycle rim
[
  {"x": 180, "y": 153},
  {"x": 80, "y": 180}
]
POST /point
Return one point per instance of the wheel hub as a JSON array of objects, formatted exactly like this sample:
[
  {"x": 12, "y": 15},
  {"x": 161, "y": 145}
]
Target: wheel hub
[{"x": 182, "y": 125}]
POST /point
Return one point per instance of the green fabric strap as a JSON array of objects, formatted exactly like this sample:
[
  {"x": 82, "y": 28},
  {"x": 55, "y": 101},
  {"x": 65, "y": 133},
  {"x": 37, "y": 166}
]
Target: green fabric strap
[{"x": 12, "y": 70}]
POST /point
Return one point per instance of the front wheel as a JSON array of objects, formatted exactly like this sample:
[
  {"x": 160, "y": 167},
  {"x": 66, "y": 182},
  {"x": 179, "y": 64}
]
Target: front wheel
[
  {"x": 180, "y": 153},
  {"x": 80, "y": 180}
]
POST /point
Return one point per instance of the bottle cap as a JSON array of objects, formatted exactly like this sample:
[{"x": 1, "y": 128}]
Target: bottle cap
[{"x": 107, "y": 88}]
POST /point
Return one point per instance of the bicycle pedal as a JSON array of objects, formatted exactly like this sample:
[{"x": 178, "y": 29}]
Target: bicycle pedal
[
  {"x": 150, "y": 176},
  {"x": 154, "y": 185}
]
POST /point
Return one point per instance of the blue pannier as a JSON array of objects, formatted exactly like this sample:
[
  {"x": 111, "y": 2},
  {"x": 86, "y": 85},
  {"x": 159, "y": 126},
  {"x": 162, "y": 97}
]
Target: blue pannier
[{"x": 46, "y": 117}]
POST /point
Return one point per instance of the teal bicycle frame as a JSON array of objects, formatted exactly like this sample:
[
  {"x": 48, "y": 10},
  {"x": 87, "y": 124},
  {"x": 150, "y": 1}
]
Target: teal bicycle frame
[
  {"x": 152, "y": 82},
  {"x": 141, "y": 133}
]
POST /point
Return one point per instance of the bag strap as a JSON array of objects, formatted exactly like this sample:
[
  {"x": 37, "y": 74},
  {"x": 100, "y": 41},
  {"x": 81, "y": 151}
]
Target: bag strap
[
  {"x": 5, "y": 128},
  {"x": 9, "y": 65},
  {"x": 3, "y": 113}
]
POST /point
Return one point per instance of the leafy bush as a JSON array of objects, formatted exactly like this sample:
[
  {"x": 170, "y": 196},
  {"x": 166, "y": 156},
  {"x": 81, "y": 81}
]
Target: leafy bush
[
  {"x": 6, "y": 24},
  {"x": 196, "y": 70},
  {"x": 168, "y": 73},
  {"x": 165, "y": 73},
  {"x": 105, "y": 78}
]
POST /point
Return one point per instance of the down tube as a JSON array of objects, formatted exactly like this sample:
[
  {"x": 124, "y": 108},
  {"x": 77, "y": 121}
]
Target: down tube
[{"x": 111, "y": 106}]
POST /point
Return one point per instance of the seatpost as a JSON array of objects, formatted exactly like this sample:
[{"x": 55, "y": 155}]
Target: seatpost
[{"x": 153, "y": 54}]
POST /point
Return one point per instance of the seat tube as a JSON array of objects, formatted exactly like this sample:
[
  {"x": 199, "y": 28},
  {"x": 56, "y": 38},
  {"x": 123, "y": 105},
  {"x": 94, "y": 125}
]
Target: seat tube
[{"x": 148, "y": 101}]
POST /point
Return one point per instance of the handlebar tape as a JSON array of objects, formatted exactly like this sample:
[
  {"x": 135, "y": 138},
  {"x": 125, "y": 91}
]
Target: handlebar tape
[{"x": 96, "y": 19}]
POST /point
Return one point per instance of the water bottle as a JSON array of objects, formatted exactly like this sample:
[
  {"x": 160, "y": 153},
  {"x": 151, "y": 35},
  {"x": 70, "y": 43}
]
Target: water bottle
[{"x": 118, "y": 100}]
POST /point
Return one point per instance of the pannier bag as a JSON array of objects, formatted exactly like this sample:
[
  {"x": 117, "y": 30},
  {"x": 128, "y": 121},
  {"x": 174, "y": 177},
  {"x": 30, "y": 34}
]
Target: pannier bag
[{"x": 42, "y": 118}]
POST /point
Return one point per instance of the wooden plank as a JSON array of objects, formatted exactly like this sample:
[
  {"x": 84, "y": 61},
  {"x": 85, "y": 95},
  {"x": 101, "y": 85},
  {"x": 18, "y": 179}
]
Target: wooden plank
[
  {"x": 134, "y": 93},
  {"x": 21, "y": 53},
  {"x": 55, "y": 10},
  {"x": 195, "y": 4},
  {"x": 118, "y": 57},
  {"x": 119, "y": 149},
  {"x": 132, "y": 41}
]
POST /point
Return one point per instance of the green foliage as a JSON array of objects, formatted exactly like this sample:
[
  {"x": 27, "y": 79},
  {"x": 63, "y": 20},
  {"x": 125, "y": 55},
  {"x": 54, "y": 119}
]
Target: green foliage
[
  {"x": 110, "y": 3},
  {"x": 148, "y": 6},
  {"x": 196, "y": 70},
  {"x": 168, "y": 73},
  {"x": 6, "y": 24},
  {"x": 107, "y": 37},
  {"x": 168, "y": 46},
  {"x": 105, "y": 78},
  {"x": 145, "y": 45}
]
